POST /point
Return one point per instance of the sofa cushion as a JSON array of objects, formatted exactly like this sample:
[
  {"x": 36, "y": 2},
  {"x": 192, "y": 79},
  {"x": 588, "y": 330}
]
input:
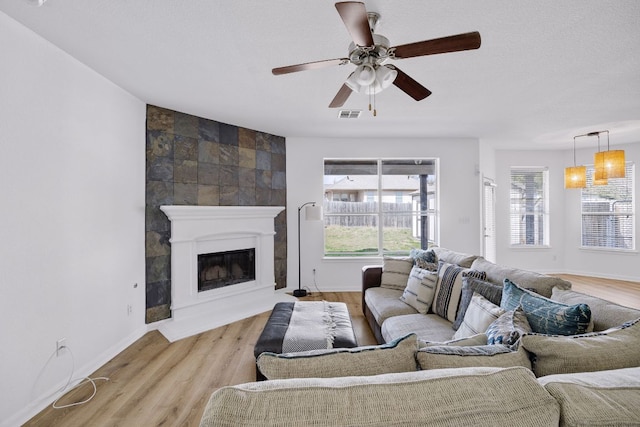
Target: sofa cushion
[
  {"x": 385, "y": 303},
  {"x": 395, "y": 356},
  {"x": 544, "y": 315},
  {"x": 480, "y": 314},
  {"x": 499, "y": 356},
  {"x": 478, "y": 339},
  {"x": 449, "y": 289},
  {"x": 428, "y": 327},
  {"x": 489, "y": 290},
  {"x": 395, "y": 272},
  {"x": 452, "y": 257},
  {"x": 605, "y": 314},
  {"x": 450, "y": 397},
  {"x": 602, "y": 398},
  {"x": 541, "y": 283},
  {"x": 596, "y": 351},
  {"x": 508, "y": 328},
  {"x": 421, "y": 287}
]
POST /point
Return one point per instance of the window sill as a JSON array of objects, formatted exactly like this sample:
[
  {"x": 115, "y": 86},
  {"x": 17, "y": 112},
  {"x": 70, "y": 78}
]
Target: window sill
[
  {"x": 610, "y": 250},
  {"x": 529, "y": 247},
  {"x": 368, "y": 258}
]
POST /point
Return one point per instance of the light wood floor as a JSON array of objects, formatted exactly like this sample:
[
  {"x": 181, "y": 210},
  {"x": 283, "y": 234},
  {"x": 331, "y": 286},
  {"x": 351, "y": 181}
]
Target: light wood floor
[{"x": 157, "y": 383}]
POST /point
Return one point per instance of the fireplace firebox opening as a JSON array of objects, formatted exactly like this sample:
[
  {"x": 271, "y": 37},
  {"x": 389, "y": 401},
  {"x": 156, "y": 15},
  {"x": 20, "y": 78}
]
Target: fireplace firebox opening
[{"x": 220, "y": 269}]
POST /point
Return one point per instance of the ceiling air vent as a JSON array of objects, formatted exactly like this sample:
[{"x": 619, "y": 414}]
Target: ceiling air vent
[{"x": 349, "y": 114}]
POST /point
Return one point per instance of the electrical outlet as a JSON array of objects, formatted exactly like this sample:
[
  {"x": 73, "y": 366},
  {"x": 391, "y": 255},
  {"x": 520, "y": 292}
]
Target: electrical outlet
[
  {"x": 129, "y": 309},
  {"x": 60, "y": 344}
]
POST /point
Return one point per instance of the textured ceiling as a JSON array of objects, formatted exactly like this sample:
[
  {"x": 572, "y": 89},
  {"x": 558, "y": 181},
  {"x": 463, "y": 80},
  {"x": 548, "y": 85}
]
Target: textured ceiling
[{"x": 546, "y": 70}]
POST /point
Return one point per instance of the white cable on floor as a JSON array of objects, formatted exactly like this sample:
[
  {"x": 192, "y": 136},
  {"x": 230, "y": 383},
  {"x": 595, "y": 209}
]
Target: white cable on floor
[{"x": 81, "y": 381}]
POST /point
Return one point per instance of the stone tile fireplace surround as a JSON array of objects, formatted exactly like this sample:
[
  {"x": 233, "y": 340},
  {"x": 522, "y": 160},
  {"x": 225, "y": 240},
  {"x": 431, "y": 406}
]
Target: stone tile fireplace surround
[
  {"x": 194, "y": 161},
  {"x": 199, "y": 230}
]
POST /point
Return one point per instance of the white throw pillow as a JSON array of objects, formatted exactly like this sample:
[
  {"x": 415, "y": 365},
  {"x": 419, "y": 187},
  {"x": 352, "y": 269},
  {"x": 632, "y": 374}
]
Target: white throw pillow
[
  {"x": 421, "y": 287},
  {"x": 480, "y": 314}
]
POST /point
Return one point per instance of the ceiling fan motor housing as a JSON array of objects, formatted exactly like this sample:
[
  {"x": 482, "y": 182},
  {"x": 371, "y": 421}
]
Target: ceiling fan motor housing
[{"x": 375, "y": 54}]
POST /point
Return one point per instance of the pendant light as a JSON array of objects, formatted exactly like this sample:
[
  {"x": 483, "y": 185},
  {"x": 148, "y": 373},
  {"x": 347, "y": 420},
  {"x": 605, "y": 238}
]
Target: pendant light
[
  {"x": 576, "y": 176},
  {"x": 610, "y": 163}
]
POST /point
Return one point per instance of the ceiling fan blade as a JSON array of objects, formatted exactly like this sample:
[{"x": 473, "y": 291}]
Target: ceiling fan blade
[
  {"x": 410, "y": 86},
  {"x": 466, "y": 41},
  {"x": 354, "y": 16},
  {"x": 341, "y": 97},
  {"x": 309, "y": 66}
]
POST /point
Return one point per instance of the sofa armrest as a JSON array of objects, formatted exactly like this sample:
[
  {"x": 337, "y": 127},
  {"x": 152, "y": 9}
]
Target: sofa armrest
[{"x": 371, "y": 276}]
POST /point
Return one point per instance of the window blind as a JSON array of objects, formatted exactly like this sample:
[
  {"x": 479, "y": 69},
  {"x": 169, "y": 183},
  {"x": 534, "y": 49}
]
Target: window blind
[
  {"x": 607, "y": 211},
  {"x": 529, "y": 212}
]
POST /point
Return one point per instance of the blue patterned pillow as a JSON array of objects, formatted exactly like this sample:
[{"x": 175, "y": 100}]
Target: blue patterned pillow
[
  {"x": 508, "y": 328},
  {"x": 427, "y": 255},
  {"x": 544, "y": 315}
]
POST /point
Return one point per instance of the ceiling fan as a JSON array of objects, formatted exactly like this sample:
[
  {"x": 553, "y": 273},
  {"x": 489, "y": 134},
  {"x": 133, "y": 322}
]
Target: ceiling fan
[{"x": 369, "y": 52}]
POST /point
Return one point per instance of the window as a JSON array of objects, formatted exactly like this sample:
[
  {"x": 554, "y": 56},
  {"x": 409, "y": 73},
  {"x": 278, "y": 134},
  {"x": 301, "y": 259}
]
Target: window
[
  {"x": 392, "y": 208},
  {"x": 608, "y": 212},
  {"x": 529, "y": 206}
]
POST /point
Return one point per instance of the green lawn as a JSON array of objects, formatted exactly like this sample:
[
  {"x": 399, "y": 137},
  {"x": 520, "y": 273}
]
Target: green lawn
[{"x": 365, "y": 239}]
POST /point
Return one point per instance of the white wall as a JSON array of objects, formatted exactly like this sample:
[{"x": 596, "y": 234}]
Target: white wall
[
  {"x": 72, "y": 219},
  {"x": 564, "y": 255},
  {"x": 538, "y": 259},
  {"x": 459, "y": 200}
]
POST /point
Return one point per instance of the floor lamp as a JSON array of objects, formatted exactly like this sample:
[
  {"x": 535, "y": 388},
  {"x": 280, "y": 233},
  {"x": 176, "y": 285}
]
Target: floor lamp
[{"x": 312, "y": 213}]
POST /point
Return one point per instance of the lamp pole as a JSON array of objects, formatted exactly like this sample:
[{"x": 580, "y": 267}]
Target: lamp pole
[{"x": 300, "y": 292}]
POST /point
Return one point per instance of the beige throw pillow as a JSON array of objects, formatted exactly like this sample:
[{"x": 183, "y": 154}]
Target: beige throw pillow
[
  {"x": 598, "y": 351},
  {"x": 395, "y": 272}
]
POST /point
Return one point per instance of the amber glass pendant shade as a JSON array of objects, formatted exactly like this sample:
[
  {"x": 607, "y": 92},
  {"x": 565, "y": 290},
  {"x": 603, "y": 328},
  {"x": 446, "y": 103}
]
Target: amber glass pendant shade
[
  {"x": 599, "y": 169},
  {"x": 601, "y": 181},
  {"x": 614, "y": 163},
  {"x": 575, "y": 177}
]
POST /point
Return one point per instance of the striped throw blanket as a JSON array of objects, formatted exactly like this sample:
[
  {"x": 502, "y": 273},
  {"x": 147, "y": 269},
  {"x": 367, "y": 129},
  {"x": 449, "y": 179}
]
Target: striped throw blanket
[{"x": 313, "y": 326}]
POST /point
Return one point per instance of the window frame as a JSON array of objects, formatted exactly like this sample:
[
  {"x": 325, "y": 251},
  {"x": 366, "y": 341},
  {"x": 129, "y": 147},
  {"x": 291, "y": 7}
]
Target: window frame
[
  {"x": 544, "y": 213},
  {"x": 431, "y": 213},
  {"x": 630, "y": 181}
]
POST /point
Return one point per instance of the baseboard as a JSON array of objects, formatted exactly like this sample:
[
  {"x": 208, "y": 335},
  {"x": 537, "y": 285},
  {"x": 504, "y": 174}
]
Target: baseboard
[
  {"x": 47, "y": 398},
  {"x": 601, "y": 276}
]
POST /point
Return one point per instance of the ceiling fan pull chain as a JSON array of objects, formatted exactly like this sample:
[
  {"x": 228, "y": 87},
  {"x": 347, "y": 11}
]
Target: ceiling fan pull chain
[{"x": 375, "y": 112}]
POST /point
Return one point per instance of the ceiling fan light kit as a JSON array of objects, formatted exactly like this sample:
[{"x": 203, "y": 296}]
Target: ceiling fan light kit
[{"x": 369, "y": 52}]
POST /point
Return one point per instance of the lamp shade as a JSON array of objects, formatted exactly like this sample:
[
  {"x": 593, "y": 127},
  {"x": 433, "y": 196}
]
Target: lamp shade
[
  {"x": 614, "y": 163},
  {"x": 313, "y": 213},
  {"x": 600, "y": 181},
  {"x": 575, "y": 177},
  {"x": 365, "y": 75},
  {"x": 385, "y": 76},
  {"x": 609, "y": 164}
]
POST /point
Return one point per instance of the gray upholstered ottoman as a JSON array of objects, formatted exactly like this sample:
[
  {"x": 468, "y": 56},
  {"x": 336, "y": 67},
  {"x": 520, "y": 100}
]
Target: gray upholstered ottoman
[{"x": 305, "y": 325}]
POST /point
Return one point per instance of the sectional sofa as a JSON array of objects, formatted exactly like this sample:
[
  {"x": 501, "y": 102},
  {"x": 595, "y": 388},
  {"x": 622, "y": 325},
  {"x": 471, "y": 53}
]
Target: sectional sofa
[
  {"x": 462, "y": 342},
  {"x": 390, "y": 317}
]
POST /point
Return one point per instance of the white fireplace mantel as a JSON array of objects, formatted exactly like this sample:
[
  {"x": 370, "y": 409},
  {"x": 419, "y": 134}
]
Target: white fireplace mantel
[{"x": 207, "y": 229}]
